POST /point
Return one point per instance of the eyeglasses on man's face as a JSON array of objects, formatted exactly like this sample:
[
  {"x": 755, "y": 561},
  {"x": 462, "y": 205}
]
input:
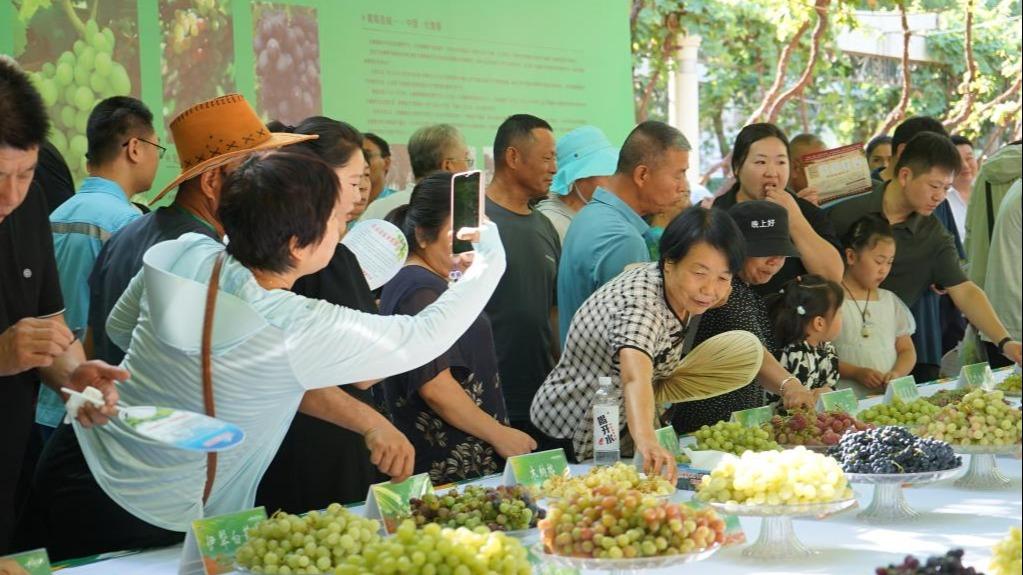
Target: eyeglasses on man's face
[{"x": 160, "y": 150}]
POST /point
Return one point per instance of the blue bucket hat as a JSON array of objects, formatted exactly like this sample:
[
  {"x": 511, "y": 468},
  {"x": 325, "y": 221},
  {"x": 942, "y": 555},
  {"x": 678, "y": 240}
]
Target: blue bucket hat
[{"x": 582, "y": 153}]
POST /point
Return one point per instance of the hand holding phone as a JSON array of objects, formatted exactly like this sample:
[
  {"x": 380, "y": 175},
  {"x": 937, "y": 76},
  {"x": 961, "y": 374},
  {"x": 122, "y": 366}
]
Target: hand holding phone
[{"x": 467, "y": 202}]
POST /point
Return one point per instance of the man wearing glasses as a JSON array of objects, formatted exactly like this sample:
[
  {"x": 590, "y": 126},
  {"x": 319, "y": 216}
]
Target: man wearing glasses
[{"x": 122, "y": 157}]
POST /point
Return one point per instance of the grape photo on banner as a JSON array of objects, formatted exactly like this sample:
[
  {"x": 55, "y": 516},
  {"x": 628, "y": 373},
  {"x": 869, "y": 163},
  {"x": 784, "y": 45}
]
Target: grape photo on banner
[
  {"x": 77, "y": 57},
  {"x": 286, "y": 40},
  {"x": 197, "y": 49}
]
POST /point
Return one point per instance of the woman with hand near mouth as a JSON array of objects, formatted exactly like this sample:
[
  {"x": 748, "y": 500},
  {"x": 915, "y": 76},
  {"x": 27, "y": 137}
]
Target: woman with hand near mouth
[
  {"x": 760, "y": 162},
  {"x": 764, "y": 225}
]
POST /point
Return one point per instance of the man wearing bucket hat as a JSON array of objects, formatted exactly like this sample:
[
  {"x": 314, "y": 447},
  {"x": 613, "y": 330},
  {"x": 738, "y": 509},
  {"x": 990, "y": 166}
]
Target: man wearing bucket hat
[
  {"x": 211, "y": 138},
  {"x": 764, "y": 226},
  {"x": 586, "y": 160}
]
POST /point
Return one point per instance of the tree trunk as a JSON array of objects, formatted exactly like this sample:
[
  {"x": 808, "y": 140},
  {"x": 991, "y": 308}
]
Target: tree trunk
[
  {"x": 899, "y": 112},
  {"x": 962, "y": 110},
  {"x": 779, "y": 74},
  {"x": 719, "y": 132},
  {"x": 821, "y": 7}
]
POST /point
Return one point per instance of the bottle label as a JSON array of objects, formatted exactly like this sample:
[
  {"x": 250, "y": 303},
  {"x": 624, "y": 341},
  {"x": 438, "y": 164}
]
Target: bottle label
[{"x": 605, "y": 428}]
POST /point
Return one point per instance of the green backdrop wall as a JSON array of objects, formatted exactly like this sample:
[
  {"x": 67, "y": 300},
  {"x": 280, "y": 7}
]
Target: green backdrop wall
[{"x": 387, "y": 66}]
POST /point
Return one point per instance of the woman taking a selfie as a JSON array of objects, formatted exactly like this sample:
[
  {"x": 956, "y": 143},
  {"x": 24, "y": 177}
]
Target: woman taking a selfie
[
  {"x": 451, "y": 408},
  {"x": 283, "y": 214}
]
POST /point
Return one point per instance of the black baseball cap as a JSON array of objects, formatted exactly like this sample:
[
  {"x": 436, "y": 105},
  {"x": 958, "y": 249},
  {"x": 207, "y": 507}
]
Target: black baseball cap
[{"x": 765, "y": 225}]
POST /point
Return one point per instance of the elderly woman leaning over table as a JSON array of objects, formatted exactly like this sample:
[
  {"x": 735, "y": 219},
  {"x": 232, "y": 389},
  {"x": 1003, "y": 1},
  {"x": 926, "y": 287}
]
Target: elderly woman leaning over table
[
  {"x": 637, "y": 329},
  {"x": 282, "y": 213}
]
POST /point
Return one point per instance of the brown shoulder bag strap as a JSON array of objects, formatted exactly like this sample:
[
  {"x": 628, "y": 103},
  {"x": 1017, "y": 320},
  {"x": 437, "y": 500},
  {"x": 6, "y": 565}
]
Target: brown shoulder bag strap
[{"x": 207, "y": 367}]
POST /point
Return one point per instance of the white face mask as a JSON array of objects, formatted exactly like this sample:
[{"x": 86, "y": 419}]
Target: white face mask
[{"x": 576, "y": 191}]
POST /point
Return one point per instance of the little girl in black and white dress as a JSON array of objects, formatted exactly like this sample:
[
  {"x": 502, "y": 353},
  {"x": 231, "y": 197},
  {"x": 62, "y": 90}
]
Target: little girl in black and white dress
[{"x": 806, "y": 319}]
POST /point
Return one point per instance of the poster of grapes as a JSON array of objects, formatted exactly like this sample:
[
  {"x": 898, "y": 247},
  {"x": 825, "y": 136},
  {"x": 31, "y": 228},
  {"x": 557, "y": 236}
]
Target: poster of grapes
[
  {"x": 77, "y": 53},
  {"x": 286, "y": 42},
  {"x": 197, "y": 50}
]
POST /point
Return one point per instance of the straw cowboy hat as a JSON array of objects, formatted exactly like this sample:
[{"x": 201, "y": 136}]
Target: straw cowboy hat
[{"x": 212, "y": 133}]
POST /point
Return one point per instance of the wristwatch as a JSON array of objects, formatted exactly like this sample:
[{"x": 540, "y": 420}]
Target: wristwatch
[{"x": 1001, "y": 344}]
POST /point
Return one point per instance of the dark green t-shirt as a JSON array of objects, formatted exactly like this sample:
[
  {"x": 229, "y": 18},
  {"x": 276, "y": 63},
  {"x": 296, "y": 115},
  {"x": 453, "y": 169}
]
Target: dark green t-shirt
[
  {"x": 521, "y": 305},
  {"x": 925, "y": 253}
]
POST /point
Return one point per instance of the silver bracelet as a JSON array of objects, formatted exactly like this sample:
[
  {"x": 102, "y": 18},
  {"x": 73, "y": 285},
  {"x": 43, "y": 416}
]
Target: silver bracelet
[{"x": 781, "y": 387}]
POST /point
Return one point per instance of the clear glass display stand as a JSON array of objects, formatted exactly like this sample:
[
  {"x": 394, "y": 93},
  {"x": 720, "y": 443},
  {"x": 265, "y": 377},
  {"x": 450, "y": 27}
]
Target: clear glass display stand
[
  {"x": 983, "y": 472},
  {"x": 777, "y": 539},
  {"x": 888, "y": 504}
]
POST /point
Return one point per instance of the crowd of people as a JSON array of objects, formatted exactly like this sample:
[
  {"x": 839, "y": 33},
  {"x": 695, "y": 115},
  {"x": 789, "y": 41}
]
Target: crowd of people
[{"x": 237, "y": 299}]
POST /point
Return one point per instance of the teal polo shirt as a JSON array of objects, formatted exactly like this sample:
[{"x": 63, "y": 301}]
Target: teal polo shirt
[
  {"x": 605, "y": 236},
  {"x": 80, "y": 226}
]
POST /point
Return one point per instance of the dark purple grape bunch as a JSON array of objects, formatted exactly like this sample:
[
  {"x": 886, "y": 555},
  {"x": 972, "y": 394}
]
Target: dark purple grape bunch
[
  {"x": 287, "y": 47},
  {"x": 951, "y": 563}
]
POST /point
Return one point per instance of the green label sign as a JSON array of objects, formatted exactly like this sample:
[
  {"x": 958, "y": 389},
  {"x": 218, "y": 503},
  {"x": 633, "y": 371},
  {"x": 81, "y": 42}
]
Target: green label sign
[
  {"x": 754, "y": 417},
  {"x": 841, "y": 400},
  {"x": 903, "y": 388},
  {"x": 389, "y": 502},
  {"x": 533, "y": 469},
  {"x": 976, "y": 375},
  {"x": 35, "y": 562},
  {"x": 668, "y": 439},
  {"x": 219, "y": 537}
]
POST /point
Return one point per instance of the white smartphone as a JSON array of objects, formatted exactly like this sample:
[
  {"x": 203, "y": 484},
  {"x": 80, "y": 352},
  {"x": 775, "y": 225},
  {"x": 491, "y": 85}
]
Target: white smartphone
[{"x": 467, "y": 203}]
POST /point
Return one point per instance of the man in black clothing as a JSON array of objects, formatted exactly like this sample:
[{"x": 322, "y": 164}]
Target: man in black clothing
[{"x": 35, "y": 343}]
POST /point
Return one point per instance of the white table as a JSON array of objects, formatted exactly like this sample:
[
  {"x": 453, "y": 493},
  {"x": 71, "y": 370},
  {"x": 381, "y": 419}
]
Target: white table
[{"x": 950, "y": 518}]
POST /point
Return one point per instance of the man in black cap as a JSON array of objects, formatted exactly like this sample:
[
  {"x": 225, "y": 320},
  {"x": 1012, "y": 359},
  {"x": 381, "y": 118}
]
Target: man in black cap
[{"x": 765, "y": 225}]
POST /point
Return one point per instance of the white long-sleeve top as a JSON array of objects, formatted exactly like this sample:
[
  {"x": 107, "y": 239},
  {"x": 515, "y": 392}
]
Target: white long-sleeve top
[{"x": 269, "y": 347}]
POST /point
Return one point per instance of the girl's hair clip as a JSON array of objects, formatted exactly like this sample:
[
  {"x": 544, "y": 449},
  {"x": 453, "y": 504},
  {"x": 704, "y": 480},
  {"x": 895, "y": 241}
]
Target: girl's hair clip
[{"x": 801, "y": 310}]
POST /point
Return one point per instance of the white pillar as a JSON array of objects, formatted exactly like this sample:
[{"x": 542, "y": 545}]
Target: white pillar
[{"x": 684, "y": 91}]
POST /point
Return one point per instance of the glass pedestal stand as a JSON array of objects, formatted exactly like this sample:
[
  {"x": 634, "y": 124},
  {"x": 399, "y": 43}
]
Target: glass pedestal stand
[
  {"x": 621, "y": 566},
  {"x": 888, "y": 504},
  {"x": 777, "y": 539},
  {"x": 983, "y": 472}
]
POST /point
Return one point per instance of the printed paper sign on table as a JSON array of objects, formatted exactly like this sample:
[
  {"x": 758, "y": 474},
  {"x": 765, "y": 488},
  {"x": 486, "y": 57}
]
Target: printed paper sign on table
[
  {"x": 903, "y": 388},
  {"x": 754, "y": 417},
  {"x": 35, "y": 562},
  {"x": 533, "y": 469},
  {"x": 976, "y": 375},
  {"x": 841, "y": 400},
  {"x": 211, "y": 544},
  {"x": 838, "y": 173},
  {"x": 389, "y": 502}
]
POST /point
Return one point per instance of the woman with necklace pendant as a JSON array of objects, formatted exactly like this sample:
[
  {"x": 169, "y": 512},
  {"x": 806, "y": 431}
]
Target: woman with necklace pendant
[{"x": 875, "y": 343}]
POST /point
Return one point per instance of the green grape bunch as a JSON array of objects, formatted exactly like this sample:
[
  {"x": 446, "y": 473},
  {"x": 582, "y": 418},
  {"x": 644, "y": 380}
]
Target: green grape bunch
[
  {"x": 899, "y": 412},
  {"x": 791, "y": 477},
  {"x": 1007, "y": 555},
  {"x": 979, "y": 418},
  {"x": 733, "y": 437},
  {"x": 498, "y": 509},
  {"x": 313, "y": 543},
  {"x": 1010, "y": 385},
  {"x": 436, "y": 550},
  {"x": 72, "y": 85}
]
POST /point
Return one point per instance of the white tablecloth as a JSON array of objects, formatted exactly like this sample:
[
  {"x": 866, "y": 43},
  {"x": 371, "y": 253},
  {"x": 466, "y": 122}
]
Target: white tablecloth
[{"x": 950, "y": 518}]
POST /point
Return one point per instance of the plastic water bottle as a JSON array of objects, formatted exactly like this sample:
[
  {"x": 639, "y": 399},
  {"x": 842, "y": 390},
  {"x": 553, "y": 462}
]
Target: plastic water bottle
[{"x": 606, "y": 450}]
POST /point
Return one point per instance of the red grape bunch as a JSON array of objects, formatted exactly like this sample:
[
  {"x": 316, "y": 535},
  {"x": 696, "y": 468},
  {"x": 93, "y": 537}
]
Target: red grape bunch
[
  {"x": 197, "y": 52},
  {"x": 802, "y": 427},
  {"x": 287, "y": 50}
]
